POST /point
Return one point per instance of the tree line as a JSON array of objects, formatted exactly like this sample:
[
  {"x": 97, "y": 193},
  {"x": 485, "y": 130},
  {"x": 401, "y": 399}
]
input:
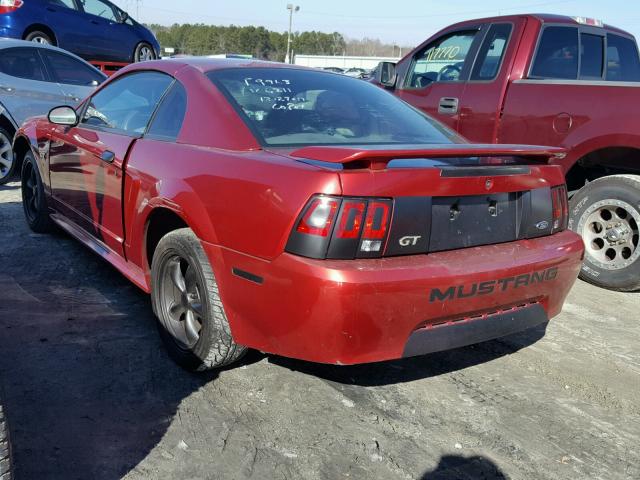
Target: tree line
[{"x": 201, "y": 39}]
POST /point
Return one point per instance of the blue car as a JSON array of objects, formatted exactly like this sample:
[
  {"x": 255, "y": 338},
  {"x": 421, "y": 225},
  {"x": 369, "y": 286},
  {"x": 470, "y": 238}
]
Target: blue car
[{"x": 96, "y": 30}]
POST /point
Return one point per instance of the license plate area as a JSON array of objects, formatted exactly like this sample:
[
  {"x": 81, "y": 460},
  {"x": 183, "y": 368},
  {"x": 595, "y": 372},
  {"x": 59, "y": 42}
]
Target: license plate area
[{"x": 469, "y": 221}]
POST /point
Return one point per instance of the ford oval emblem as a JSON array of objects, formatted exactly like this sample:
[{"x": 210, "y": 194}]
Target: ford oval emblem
[
  {"x": 488, "y": 184},
  {"x": 543, "y": 225}
]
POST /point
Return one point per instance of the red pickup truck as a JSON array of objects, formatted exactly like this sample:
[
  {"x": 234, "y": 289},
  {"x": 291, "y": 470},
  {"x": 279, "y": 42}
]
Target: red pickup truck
[{"x": 546, "y": 80}]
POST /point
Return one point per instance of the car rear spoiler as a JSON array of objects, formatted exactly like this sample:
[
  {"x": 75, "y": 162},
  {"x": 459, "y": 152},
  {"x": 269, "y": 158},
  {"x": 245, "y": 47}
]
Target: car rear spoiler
[{"x": 377, "y": 157}]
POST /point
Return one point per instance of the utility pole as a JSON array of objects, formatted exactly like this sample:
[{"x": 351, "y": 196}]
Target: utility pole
[{"x": 292, "y": 8}]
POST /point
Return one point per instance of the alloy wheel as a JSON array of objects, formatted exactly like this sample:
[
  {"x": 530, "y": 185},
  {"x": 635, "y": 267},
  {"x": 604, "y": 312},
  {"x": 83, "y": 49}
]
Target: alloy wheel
[
  {"x": 6, "y": 155},
  {"x": 145, "y": 54},
  {"x": 181, "y": 301},
  {"x": 42, "y": 40},
  {"x": 31, "y": 193},
  {"x": 610, "y": 232}
]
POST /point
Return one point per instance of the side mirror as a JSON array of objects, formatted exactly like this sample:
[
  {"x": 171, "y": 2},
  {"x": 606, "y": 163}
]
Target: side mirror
[
  {"x": 63, "y": 116},
  {"x": 386, "y": 74},
  {"x": 124, "y": 16}
]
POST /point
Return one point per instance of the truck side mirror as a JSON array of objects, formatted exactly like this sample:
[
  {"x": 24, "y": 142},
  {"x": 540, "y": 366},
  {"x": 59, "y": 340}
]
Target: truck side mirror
[{"x": 386, "y": 74}]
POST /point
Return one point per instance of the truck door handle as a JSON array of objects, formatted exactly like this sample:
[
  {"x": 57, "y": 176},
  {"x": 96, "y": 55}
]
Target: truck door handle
[
  {"x": 448, "y": 106},
  {"x": 108, "y": 156}
]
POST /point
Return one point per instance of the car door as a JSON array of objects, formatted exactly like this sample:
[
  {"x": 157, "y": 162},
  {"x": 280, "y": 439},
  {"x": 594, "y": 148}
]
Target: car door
[
  {"x": 102, "y": 20},
  {"x": 86, "y": 162},
  {"x": 76, "y": 78},
  {"x": 26, "y": 89},
  {"x": 67, "y": 22},
  {"x": 483, "y": 95},
  {"x": 435, "y": 79}
]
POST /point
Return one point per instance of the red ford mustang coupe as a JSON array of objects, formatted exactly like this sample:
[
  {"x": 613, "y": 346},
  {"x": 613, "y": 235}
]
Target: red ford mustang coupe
[{"x": 300, "y": 212}]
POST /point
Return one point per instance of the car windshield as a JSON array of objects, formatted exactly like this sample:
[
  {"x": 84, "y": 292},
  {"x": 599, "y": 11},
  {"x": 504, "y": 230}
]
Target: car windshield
[{"x": 290, "y": 107}]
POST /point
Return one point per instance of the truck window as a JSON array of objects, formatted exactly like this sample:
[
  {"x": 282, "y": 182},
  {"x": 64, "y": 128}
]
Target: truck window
[
  {"x": 557, "y": 55},
  {"x": 591, "y": 56},
  {"x": 441, "y": 61},
  {"x": 491, "y": 52},
  {"x": 623, "y": 64}
]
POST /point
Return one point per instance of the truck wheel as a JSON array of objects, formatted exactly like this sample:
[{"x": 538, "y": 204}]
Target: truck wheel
[
  {"x": 185, "y": 298},
  {"x": 7, "y": 165},
  {"x": 606, "y": 213},
  {"x": 34, "y": 200},
  {"x": 6, "y": 467}
]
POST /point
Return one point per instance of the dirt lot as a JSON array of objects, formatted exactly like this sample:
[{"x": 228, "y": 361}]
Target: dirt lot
[{"x": 91, "y": 394}]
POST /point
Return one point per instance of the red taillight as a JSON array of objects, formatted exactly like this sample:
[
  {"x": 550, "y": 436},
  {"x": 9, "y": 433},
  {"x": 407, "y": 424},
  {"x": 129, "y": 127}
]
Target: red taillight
[
  {"x": 8, "y": 6},
  {"x": 350, "y": 222},
  {"x": 319, "y": 217},
  {"x": 560, "y": 207},
  {"x": 377, "y": 221}
]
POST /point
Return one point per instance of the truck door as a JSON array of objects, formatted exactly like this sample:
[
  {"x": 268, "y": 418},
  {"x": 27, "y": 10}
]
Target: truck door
[
  {"x": 482, "y": 99},
  {"x": 435, "y": 79}
]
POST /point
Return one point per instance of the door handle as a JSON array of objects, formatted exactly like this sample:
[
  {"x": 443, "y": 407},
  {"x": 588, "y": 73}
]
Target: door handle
[
  {"x": 6, "y": 88},
  {"x": 108, "y": 156},
  {"x": 448, "y": 106},
  {"x": 71, "y": 96},
  {"x": 95, "y": 22}
]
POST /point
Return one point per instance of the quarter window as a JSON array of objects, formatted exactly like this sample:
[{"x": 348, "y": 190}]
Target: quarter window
[
  {"x": 99, "y": 9},
  {"x": 63, "y": 3},
  {"x": 491, "y": 53},
  {"x": 591, "y": 56},
  {"x": 442, "y": 61},
  {"x": 22, "y": 63},
  {"x": 128, "y": 103},
  {"x": 71, "y": 71},
  {"x": 168, "y": 119},
  {"x": 557, "y": 55},
  {"x": 623, "y": 64}
]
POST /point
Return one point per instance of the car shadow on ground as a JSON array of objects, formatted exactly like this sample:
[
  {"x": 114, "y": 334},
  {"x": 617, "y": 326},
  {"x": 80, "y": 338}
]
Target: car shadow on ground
[
  {"x": 416, "y": 368},
  {"x": 457, "y": 467}
]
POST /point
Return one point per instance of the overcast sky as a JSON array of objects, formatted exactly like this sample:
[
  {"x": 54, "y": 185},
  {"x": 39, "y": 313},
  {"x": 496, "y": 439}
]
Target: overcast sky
[{"x": 405, "y": 22}]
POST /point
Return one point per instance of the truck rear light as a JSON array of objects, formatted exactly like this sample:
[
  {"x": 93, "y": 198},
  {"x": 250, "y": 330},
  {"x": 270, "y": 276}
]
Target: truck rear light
[
  {"x": 341, "y": 228},
  {"x": 319, "y": 217},
  {"x": 560, "y": 208},
  {"x": 8, "y": 6}
]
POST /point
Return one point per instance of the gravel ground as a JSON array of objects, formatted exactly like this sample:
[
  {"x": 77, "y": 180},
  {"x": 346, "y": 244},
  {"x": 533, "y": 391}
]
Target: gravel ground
[{"x": 91, "y": 394}]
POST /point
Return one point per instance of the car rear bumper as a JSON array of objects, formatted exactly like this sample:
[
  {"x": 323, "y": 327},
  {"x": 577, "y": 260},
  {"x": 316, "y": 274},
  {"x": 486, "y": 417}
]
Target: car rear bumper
[{"x": 358, "y": 311}]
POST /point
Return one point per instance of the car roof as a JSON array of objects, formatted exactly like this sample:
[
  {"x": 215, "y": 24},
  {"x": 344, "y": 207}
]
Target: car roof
[{"x": 12, "y": 43}]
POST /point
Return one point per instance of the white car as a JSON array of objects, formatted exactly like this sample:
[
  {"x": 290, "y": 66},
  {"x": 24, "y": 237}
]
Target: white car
[{"x": 34, "y": 78}]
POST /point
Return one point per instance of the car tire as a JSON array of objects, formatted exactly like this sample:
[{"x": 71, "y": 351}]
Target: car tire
[
  {"x": 7, "y": 163},
  {"x": 39, "y": 36},
  {"x": 606, "y": 213},
  {"x": 34, "y": 200},
  {"x": 143, "y": 52},
  {"x": 185, "y": 298},
  {"x": 6, "y": 464}
]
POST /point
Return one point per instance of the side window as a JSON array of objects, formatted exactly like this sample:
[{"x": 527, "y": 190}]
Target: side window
[
  {"x": 128, "y": 103},
  {"x": 168, "y": 120},
  {"x": 63, "y": 3},
  {"x": 442, "y": 61},
  {"x": 99, "y": 9},
  {"x": 591, "y": 56},
  {"x": 22, "y": 63},
  {"x": 71, "y": 71},
  {"x": 623, "y": 64},
  {"x": 557, "y": 55},
  {"x": 491, "y": 52}
]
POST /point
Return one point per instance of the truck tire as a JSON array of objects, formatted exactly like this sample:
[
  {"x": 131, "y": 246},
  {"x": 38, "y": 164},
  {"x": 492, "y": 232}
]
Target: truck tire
[
  {"x": 606, "y": 213},
  {"x": 185, "y": 298},
  {"x": 6, "y": 464},
  {"x": 34, "y": 199}
]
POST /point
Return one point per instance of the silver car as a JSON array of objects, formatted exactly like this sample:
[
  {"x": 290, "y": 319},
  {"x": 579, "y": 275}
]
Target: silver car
[{"x": 34, "y": 78}]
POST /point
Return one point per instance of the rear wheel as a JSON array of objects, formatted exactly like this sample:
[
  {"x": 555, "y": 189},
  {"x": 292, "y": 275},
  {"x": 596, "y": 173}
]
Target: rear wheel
[
  {"x": 34, "y": 200},
  {"x": 143, "y": 53},
  {"x": 39, "y": 36},
  {"x": 186, "y": 301},
  {"x": 606, "y": 213},
  {"x": 7, "y": 165}
]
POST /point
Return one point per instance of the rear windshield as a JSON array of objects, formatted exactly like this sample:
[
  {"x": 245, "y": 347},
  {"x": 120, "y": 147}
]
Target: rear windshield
[{"x": 288, "y": 107}]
